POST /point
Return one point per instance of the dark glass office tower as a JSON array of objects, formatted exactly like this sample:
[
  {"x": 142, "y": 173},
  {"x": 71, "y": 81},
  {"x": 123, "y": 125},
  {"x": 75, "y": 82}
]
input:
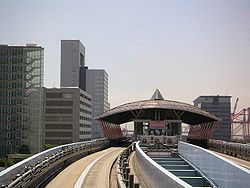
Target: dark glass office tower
[
  {"x": 221, "y": 107},
  {"x": 21, "y": 79}
]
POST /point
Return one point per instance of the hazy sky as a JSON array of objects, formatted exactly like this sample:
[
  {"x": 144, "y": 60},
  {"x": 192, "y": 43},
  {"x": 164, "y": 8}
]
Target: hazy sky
[{"x": 184, "y": 48}]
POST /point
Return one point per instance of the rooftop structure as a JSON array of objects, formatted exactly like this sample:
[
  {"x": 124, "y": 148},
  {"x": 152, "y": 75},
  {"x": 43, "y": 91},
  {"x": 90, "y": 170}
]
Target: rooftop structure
[{"x": 158, "y": 109}]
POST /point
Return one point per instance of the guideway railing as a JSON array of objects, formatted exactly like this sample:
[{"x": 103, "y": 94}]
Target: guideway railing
[
  {"x": 38, "y": 169},
  {"x": 153, "y": 174},
  {"x": 124, "y": 176},
  {"x": 221, "y": 171}
]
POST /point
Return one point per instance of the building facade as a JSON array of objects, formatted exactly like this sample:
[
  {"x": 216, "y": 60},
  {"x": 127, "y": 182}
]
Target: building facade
[
  {"x": 67, "y": 116},
  {"x": 97, "y": 86},
  {"x": 21, "y": 79},
  {"x": 73, "y": 70},
  {"x": 221, "y": 107}
]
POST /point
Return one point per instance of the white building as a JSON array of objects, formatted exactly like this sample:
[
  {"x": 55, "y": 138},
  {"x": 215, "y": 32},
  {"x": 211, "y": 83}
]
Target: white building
[
  {"x": 97, "y": 86},
  {"x": 73, "y": 70}
]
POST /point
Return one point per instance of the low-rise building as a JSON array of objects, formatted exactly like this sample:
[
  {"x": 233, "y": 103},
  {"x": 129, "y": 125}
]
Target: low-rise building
[{"x": 67, "y": 116}]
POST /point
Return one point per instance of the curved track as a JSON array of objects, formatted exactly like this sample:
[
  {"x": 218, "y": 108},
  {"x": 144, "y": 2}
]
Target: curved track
[{"x": 97, "y": 176}]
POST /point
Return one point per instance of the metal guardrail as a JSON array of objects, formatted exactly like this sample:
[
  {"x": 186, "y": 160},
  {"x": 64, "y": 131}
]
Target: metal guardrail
[
  {"x": 238, "y": 150},
  {"x": 38, "y": 168},
  {"x": 155, "y": 175},
  {"x": 221, "y": 171},
  {"x": 124, "y": 177}
]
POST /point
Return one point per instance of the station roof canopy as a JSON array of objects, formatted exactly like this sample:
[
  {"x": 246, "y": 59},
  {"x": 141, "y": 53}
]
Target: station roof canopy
[{"x": 157, "y": 106}]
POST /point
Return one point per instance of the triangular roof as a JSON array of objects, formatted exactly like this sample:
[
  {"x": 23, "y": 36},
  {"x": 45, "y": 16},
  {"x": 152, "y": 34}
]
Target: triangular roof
[{"x": 157, "y": 95}]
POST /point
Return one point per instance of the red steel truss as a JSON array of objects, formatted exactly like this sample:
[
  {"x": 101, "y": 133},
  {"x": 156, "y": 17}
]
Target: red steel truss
[
  {"x": 201, "y": 131},
  {"x": 111, "y": 131},
  {"x": 240, "y": 124}
]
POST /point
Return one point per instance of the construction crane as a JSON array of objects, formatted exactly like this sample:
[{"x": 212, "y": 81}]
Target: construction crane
[
  {"x": 235, "y": 106},
  {"x": 240, "y": 123}
]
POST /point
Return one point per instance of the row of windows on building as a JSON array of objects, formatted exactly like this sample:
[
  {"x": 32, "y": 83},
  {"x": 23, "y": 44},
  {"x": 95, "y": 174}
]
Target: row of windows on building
[
  {"x": 84, "y": 139},
  {"x": 13, "y": 68},
  {"x": 64, "y": 118},
  {"x": 85, "y": 118},
  {"x": 16, "y": 101},
  {"x": 58, "y": 111},
  {"x": 11, "y": 85},
  {"x": 10, "y": 118},
  {"x": 59, "y": 118},
  {"x": 8, "y": 143},
  {"x": 85, "y": 125},
  {"x": 85, "y": 111},
  {"x": 13, "y": 51},
  {"x": 85, "y": 132},
  {"x": 66, "y": 103},
  {"x": 59, "y": 95},
  {"x": 11, "y": 76},
  {"x": 59, "y": 103},
  {"x": 10, "y": 110},
  {"x": 11, "y": 60},
  {"x": 59, "y": 134},
  {"x": 20, "y": 52},
  {"x": 85, "y": 104},
  {"x": 59, "y": 126},
  {"x": 10, "y": 127},
  {"x": 12, "y": 93},
  {"x": 10, "y": 135},
  {"x": 85, "y": 97}
]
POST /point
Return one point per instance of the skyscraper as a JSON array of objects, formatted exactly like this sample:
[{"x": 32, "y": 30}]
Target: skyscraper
[
  {"x": 97, "y": 86},
  {"x": 74, "y": 73},
  {"x": 21, "y": 79},
  {"x": 73, "y": 70},
  {"x": 221, "y": 107}
]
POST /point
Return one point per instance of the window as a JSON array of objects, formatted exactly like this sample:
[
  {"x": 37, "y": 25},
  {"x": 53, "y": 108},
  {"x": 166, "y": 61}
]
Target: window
[
  {"x": 58, "y": 134},
  {"x": 59, "y": 103},
  {"x": 8, "y": 135},
  {"x": 52, "y": 118},
  {"x": 59, "y": 111},
  {"x": 53, "y": 95},
  {"x": 18, "y": 135},
  {"x": 67, "y": 95}
]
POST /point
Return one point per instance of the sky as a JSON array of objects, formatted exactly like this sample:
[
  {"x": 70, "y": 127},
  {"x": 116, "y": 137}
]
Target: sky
[{"x": 184, "y": 48}]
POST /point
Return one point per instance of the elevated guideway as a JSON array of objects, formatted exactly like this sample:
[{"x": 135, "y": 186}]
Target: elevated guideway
[
  {"x": 91, "y": 171},
  {"x": 39, "y": 169},
  {"x": 191, "y": 166},
  {"x": 184, "y": 170}
]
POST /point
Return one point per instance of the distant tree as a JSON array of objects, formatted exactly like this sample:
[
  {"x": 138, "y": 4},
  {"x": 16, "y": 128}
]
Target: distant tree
[{"x": 47, "y": 146}]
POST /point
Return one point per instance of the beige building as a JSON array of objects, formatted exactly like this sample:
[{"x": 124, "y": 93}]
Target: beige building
[{"x": 67, "y": 116}]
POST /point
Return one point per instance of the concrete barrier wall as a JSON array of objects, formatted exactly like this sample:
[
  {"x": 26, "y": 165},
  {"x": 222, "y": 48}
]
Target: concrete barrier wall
[
  {"x": 8, "y": 174},
  {"x": 223, "y": 172},
  {"x": 155, "y": 175}
]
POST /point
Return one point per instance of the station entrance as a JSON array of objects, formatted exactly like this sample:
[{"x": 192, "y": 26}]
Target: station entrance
[{"x": 159, "y": 120}]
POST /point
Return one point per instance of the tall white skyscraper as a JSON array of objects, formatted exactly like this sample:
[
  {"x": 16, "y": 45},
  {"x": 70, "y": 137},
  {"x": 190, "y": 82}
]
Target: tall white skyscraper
[
  {"x": 73, "y": 70},
  {"x": 97, "y": 86}
]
